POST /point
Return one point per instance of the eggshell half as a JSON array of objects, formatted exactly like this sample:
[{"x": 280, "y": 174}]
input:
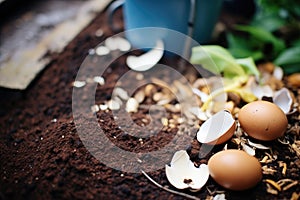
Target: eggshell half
[
  {"x": 235, "y": 169},
  {"x": 263, "y": 120},
  {"x": 217, "y": 129}
]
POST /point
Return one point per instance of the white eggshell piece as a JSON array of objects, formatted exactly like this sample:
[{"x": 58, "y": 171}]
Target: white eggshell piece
[
  {"x": 132, "y": 105},
  {"x": 182, "y": 169},
  {"x": 282, "y": 98},
  {"x": 147, "y": 60},
  {"x": 215, "y": 127}
]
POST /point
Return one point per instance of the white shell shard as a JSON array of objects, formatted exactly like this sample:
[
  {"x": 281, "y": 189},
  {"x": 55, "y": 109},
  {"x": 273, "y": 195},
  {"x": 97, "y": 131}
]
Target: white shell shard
[
  {"x": 261, "y": 91},
  {"x": 120, "y": 92},
  {"x": 111, "y": 43},
  {"x": 248, "y": 149},
  {"x": 113, "y": 105},
  {"x": 282, "y": 98},
  {"x": 123, "y": 44},
  {"x": 258, "y": 146},
  {"x": 215, "y": 127},
  {"x": 219, "y": 197},
  {"x": 114, "y": 43},
  {"x": 102, "y": 50},
  {"x": 198, "y": 113},
  {"x": 99, "y": 79},
  {"x": 147, "y": 60},
  {"x": 95, "y": 108},
  {"x": 132, "y": 105},
  {"x": 183, "y": 174},
  {"x": 79, "y": 84},
  {"x": 203, "y": 96},
  {"x": 278, "y": 73}
]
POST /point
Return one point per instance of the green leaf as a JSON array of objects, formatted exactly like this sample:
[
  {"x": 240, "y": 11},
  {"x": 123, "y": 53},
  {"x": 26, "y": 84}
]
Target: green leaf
[
  {"x": 217, "y": 60},
  {"x": 289, "y": 56},
  {"x": 248, "y": 65},
  {"x": 268, "y": 21},
  {"x": 289, "y": 60},
  {"x": 262, "y": 35}
]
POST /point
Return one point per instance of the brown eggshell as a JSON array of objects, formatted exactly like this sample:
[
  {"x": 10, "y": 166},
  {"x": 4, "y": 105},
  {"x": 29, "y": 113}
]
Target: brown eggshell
[
  {"x": 263, "y": 120},
  {"x": 235, "y": 169}
]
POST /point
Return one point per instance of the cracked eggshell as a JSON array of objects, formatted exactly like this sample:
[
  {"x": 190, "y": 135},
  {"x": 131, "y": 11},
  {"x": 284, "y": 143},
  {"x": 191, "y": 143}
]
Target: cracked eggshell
[
  {"x": 147, "y": 60},
  {"x": 235, "y": 169},
  {"x": 282, "y": 98},
  {"x": 263, "y": 120},
  {"x": 217, "y": 129},
  {"x": 183, "y": 174}
]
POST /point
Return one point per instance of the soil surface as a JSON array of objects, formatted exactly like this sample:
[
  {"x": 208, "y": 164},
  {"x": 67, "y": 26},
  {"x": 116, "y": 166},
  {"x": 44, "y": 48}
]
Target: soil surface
[{"x": 42, "y": 155}]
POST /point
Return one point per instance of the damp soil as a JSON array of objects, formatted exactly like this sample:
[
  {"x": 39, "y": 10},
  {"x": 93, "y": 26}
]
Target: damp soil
[{"x": 43, "y": 156}]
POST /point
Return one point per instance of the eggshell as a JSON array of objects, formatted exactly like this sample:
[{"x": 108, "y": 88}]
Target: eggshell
[
  {"x": 263, "y": 120},
  {"x": 217, "y": 129},
  {"x": 235, "y": 169}
]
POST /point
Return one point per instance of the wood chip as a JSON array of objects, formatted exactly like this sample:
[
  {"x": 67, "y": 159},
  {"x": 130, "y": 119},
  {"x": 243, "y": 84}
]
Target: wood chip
[
  {"x": 165, "y": 121},
  {"x": 273, "y": 183}
]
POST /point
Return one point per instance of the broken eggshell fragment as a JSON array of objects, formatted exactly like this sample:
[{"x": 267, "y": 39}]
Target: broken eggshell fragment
[
  {"x": 217, "y": 129},
  {"x": 147, "y": 60},
  {"x": 183, "y": 174},
  {"x": 282, "y": 98}
]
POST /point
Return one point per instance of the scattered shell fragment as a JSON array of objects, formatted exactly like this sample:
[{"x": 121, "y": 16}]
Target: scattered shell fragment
[
  {"x": 120, "y": 92},
  {"x": 95, "y": 108},
  {"x": 102, "y": 50},
  {"x": 182, "y": 172},
  {"x": 132, "y": 105},
  {"x": 111, "y": 43},
  {"x": 278, "y": 73},
  {"x": 248, "y": 149},
  {"x": 123, "y": 44},
  {"x": 113, "y": 105},
  {"x": 139, "y": 96},
  {"x": 282, "y": 98},
  {"x": 258, "y": 146},
  {"x": 103, "y": 106},
  {"x": 79, "y": 84},
  {"x": 198, "y": 113},
  {"x": 203, "y": 96},
  {"x": 219, "y": 197},
  {"x": 99, "y": 79},
  {"x": 114, "y": 43},
  {"x": 147, "y": 60}
]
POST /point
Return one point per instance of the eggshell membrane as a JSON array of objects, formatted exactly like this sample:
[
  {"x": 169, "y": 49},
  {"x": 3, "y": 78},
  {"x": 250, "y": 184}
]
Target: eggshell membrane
[
  {"x": 235, "y": 169},
  {"x": 263, "y": 120}
]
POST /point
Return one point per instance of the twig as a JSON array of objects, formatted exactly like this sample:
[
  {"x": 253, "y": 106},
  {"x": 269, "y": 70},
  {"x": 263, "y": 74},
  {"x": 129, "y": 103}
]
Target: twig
[{"x": 167, "y": 189}]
